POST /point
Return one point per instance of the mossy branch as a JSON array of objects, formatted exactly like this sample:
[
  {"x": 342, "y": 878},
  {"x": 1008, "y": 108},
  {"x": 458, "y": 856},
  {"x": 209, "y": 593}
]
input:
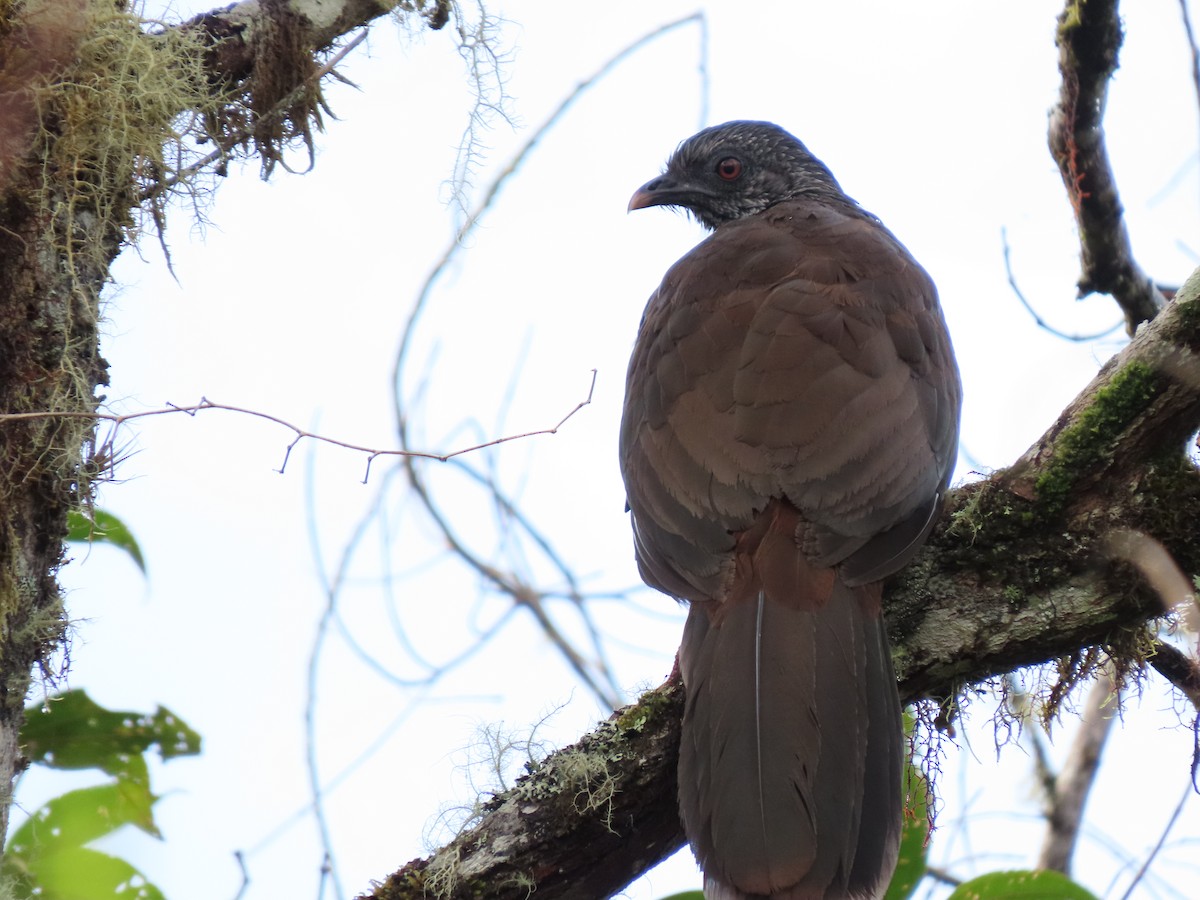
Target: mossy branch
[{"x": 1016, "y": 574}]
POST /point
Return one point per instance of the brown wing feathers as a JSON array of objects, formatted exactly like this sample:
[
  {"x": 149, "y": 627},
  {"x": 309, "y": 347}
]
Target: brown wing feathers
[{"x": 791, "y": 418}]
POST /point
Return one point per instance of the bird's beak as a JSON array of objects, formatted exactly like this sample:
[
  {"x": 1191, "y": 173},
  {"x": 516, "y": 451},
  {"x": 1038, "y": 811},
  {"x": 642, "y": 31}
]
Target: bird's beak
[{"x": 660, "y": 191}]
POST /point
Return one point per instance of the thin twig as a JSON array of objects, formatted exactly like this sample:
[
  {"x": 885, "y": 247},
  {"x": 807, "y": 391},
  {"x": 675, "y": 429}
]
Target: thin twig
[
  {"x": 1158, "y": 845},
  {"x": 939, "y": 874},
  {"x": 523, "y": 594},
  {"x": 241, "y": 861},
  {"x": 1191, "y": 39},
  {"x": 508, "y": 584},
  {"x": 373, "y": 453},
  {"x": 1038, "y": 320},
  {"x": 332, "y": 586},
  {"x": 573, "y": 592},
  {"x": 493, "y": 190}
]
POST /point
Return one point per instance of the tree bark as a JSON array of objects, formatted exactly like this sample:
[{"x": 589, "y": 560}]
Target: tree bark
[
  {"x": 1089, "y": 41},
  {"x": 49, "y": 360},
  {"x": 1017, "y": 573}
]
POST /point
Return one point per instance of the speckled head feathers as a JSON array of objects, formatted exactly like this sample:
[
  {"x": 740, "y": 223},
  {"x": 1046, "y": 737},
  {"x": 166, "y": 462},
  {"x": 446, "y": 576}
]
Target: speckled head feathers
[{"x": 735, "y": 170}]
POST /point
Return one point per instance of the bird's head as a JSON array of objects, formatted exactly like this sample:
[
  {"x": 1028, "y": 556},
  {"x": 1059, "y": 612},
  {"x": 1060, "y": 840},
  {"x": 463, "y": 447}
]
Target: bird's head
[{"x": 735, "y": 170}]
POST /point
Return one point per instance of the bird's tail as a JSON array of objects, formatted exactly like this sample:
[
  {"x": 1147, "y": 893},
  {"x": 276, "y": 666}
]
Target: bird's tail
[{"x": 791, "y": 759}]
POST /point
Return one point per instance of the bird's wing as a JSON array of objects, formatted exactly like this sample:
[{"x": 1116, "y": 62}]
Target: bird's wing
[{"x": 796, "y": 354}]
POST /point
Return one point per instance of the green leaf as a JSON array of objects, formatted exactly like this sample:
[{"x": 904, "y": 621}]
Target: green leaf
[
  {"x": 910, "y": 867},
  {"x": 71, "y": 731},
  {"x": 686, "y": 895},
  {"x": 77, "y": 873},
  {"x": 103, "y": 528},
  {"x": 1021, "y": 885},
  {"x": 79, "y": 817}
]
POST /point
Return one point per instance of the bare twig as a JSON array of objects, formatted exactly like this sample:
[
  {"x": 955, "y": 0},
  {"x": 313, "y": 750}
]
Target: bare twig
[
  {"x": 241, "y": 861},
  {"x": 1038, "y": 320},
  {"x": 524, "y": 595},
  {"x": 493, "y": 190},
  {"x": 1162, "y": 838},
  {"x": 941, "y": 875},
  {"x": 595, "y": 673},
  {"x": 373, "y": 453},
  {"x": 332, "y": 585},
  {"x": 1191, "y": 39},
  {"x": 1089, "y": 39}
]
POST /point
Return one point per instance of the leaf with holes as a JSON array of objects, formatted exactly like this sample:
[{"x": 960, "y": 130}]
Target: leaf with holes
[
  {"x": 79, "y": 817},
  {"x": 71, "y": 731}
]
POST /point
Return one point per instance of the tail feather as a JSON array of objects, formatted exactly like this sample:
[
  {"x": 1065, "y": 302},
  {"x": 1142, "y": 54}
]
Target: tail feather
[
  {"x": 878, "y": 846},
  {"x": 727, "y": 764},
  {"x": 789, "y": 768},
  {"x": 842, "y": 719}
]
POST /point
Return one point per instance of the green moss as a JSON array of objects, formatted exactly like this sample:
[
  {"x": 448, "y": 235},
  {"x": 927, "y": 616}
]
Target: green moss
[
  {"x": 993, "y": 520},
  {"x": 1089, "y": 441},
  {"x": 649, "y": 707}
]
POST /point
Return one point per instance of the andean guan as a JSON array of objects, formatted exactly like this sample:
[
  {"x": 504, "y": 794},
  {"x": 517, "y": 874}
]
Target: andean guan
[{"x": 790, "y": 426}]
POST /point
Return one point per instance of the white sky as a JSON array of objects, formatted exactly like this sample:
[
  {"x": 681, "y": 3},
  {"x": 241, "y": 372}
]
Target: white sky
[{"x": 292, "y": 301}]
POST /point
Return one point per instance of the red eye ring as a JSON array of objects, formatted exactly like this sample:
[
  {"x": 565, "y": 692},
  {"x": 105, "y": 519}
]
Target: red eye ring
[{"x": 730, "y": 168}]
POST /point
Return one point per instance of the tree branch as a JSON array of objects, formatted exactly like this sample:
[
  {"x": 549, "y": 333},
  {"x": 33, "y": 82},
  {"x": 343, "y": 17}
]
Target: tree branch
[
  {"x": 1017, "y": 573},
  {"x": 1069, "y": 791},
  {"x": 1089, "y": 40},
  {"x": 580, "y": 825},
  {"x": 235, "y": 29},
  {"x": 1179, "y": 669}
]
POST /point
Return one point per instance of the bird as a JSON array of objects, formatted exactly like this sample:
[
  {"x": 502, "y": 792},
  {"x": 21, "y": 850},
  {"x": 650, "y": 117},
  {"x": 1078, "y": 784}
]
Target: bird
[{"x": 790, "y": 428}]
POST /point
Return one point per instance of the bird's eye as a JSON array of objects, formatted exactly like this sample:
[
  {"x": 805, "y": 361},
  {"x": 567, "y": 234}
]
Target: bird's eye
[{"x": 729, "y": 168}]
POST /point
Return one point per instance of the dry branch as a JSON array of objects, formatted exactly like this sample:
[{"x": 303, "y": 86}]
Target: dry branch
[
  {"x": 1179, "y": 669},
  {"x": 299, "y": 434},
  {"x": 1070, "y": 789},
  {"x": 1089, "y": 40},
  {"x": 1015, "y": 575}
]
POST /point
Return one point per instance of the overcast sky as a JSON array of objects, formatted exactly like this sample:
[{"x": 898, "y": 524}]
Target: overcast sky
[{"x": 291, "y": 302}]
